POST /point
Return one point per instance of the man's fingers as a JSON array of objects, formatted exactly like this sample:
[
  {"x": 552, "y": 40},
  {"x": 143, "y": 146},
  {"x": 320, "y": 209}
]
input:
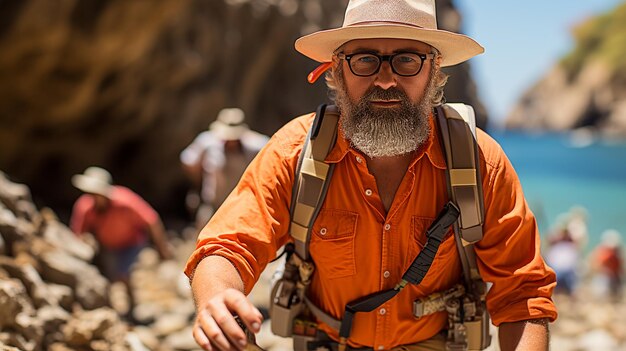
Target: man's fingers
[
  {"x": 216, "y": 327},
  {"x": 231, "y": 329},
  {"x": 246, "y": 311},
  {"x": 214, "y": 330},
  {"x": 201, "y": 338}
]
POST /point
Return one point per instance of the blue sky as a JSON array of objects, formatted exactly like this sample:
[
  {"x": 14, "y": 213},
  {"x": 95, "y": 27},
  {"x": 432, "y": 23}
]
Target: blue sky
[{"x": 522, "y": 40}]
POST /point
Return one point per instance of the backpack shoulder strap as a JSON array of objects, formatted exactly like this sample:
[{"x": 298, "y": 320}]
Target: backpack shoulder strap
[
  {"x": 458, "y": 130},
  {"x": 312, "y": 177},
  {"x": 457, "y": 124}
]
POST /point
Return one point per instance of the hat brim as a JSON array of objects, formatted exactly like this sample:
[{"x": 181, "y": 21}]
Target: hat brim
[
  {"x": 226, "y": 132},
  {"x": 91, "y": 185},
  {"x": 455, "y": 48}
]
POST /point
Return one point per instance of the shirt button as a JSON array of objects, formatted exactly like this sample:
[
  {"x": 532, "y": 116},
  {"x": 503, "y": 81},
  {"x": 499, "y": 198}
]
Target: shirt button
[
  {"x": 359, "y": 159},
  {"x": 368, "y": 192},
  {"x": 382, "y": 311},
  {"x": 386, "y": 274},
  {"x": 387, "y": 226},
  {"x": 323, "y": 231}
]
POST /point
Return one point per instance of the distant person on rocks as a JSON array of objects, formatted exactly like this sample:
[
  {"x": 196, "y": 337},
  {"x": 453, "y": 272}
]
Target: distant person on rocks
[
  {"x": 607, "y": 264},
  {"x": 121, "y": 221},
  {"x": 216, "y": 159},
  {"x": 563, "y": 256},
  {"x": 577, "y": 226}
]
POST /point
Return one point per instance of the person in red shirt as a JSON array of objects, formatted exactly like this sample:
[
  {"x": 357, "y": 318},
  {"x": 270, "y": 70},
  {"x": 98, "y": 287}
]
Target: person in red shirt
[
  {"x": 121, "y": 221},
  {"x": 388, "y": 184},
  {"x": 607, "y": 266}
]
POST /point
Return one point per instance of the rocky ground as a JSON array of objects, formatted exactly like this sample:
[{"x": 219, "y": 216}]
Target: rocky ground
[
  {"x": 587, "y": 323},
  {"x": 53, "y": 298}
]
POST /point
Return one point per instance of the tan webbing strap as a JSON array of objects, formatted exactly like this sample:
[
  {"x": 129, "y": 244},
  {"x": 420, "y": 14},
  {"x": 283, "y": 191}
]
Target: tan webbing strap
[
  {"x": 322, "y": 316},
  {"x": 313, "y": 177},
  {"x": 462, "y": 157},
  {"x": 458, "y": 131},
  {"x": 457, "y": 125}
]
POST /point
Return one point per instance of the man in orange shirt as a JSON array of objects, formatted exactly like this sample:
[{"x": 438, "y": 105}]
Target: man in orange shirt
[{"x": 388, "y": 185}]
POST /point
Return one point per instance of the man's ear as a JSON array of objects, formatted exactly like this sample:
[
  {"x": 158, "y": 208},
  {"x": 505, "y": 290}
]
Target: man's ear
[{"x": 438, "y": 60}]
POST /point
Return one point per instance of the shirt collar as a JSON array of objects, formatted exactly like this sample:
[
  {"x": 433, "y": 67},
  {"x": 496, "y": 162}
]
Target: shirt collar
[{"x": 432, "y": 147}]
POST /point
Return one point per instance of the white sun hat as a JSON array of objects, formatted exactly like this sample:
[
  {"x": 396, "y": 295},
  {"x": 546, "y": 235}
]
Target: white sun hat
[
  {"x": 393, "y": 19},
  {"x": 229, "y": 124},
  {"x": 94, "y": 180}
]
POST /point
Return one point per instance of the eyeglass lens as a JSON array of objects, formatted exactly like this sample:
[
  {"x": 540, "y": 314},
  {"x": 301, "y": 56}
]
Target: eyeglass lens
[{"x": 367, "y": 64}]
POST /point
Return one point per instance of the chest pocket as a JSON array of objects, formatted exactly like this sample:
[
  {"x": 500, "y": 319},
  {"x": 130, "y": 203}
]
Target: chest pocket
[{"x": 332, "y": 243}]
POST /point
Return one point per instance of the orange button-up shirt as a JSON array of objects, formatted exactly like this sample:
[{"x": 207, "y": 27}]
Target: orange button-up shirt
[{"x": 359, "y": 248}]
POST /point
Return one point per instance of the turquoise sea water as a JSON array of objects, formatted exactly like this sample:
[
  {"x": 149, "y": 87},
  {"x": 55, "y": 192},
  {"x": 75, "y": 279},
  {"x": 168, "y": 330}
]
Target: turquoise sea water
[{"x": 558, "y": 172}]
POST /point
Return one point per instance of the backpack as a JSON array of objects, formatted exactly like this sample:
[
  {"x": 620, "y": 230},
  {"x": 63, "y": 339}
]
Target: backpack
[{"x": 468, "y": 321}]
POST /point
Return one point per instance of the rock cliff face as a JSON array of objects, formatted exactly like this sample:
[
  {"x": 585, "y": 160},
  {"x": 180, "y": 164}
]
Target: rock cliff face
[
  {"x": 587, "y": 88},
  {"x": 127, "y": 85}
]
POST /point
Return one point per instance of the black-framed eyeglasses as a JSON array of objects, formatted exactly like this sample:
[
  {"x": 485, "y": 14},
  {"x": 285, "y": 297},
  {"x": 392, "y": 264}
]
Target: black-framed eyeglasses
[{"x": 366, "y": 64}]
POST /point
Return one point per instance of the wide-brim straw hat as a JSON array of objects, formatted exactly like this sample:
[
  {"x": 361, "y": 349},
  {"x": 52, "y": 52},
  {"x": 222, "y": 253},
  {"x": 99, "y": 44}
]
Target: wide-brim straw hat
[
  {"x": 229, "y": 124},
  {"x": 94, "y": 180},
  {"x": 393, "y": 19}
]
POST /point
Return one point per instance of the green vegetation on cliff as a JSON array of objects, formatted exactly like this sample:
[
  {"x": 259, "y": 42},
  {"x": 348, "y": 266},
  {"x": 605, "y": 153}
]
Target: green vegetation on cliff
[{"x": 600, "y": 38}]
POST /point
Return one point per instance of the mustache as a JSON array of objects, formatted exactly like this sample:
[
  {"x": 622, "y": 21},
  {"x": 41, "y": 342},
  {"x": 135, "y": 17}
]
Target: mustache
[{"x": 377, "y": 93}]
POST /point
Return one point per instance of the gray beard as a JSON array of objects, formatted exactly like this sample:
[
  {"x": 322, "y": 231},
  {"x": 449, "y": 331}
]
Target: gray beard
[{"x": 382, "y": 132}]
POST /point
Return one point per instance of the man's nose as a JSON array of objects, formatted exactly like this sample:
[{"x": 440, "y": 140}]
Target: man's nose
[{"x": 385, "y": 78}]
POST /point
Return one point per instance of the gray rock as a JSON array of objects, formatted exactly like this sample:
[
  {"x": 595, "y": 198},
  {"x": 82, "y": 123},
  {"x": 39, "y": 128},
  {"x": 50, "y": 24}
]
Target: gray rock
[
  {"x": 30, "y": 327},
  {"x": 182, "y": 340},
  {"x": 597, "y": 339},
  {"x": 4, "y": 347},
  {"x": 14, "y": 229},
  {"x": 3, "y": 247},
  {"x": 169, "y": 323},
  {"x": 59, "y": 346},
  {"x": 31, "y": 279},
  {"x": 146, "y": 313},
  {"x": 90, "y": 287},
  {"x": 88, "y": 326},
  {"x": 10, "y": 229},
  {"x": 135, "y": 343},
  {"x": 17, "y": 341},
  {"x": 52, "y": 317},
  {"x": 11, "y": 194},
  {"x": 61, "y": 237},
  {"x": 4, "y": 275},
  {"x": 13, "y": 301},
  {"x": 146, "y": 337},
  {"x": 61, "y": 293}
]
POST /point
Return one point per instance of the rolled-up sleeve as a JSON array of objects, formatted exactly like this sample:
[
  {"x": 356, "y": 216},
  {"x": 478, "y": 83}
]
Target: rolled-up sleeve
[
  {"x": 253, "y": 222},
  {"x": 509, "y": 254}
]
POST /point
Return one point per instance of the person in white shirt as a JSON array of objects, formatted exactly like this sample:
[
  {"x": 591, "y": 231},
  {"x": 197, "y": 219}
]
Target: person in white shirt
[{"x": 216, "y": 159}]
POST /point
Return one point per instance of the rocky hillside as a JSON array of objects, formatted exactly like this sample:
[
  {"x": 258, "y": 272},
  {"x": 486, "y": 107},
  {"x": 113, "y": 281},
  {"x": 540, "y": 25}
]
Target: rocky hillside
[
  {"x": 53, "y": 298},
  {"x": 128, "y": 84},
  {"x": 587, "y": 88}
]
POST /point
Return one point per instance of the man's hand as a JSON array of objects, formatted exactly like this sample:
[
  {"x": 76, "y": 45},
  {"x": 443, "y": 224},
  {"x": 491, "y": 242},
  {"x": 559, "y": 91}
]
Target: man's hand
[
  {"x": 219, "y": 298},
  {"x": 215, "y": 327}
]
